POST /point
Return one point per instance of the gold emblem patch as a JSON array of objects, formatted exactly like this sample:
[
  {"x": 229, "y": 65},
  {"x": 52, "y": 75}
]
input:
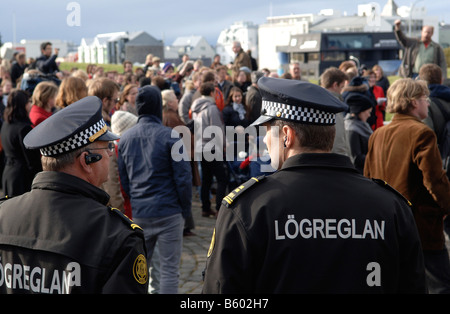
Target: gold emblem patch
[
  {"x": 211, "y": 246},
  {"x": 140, "y": 270}
]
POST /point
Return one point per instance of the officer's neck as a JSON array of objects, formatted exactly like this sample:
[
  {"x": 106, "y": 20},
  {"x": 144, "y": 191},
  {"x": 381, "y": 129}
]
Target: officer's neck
[{"x": 297, "y": 150}]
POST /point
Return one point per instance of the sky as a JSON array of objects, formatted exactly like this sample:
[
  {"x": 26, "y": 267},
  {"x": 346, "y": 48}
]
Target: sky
[{"x": 166, "y": 20}]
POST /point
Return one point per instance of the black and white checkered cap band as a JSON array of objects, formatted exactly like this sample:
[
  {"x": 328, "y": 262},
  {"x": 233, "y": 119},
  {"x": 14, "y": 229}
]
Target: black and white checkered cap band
[
  {"x": 76, "y": 141},
  {"x": 300, "y": 114}
]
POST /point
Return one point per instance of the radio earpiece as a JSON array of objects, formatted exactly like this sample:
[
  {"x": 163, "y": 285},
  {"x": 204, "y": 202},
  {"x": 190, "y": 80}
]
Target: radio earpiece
[
  {"x": 91, "y": 158},
  {"x": 285, "y": 139}
]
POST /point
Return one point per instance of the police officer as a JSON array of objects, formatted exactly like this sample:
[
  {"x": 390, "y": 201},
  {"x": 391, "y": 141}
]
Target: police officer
[
  {"x": 61, "y": 237},
  {"x": 316, "y": 225}
]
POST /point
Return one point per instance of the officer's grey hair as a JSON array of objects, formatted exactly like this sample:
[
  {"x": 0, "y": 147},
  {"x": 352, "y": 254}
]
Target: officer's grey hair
[
  {"x": 58, "y": 163},
  {"x": 256, "y": 75},
  {"x": 311, "y": 137}
]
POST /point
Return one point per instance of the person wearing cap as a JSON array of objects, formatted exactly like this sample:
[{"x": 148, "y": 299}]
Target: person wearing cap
[
  {"x": 61, "y": 237},
  {"x": 167, "y": 69},
  {"x": 360, "y": 85},
  {"x": 120, "y": 122},
  {"x": 357, "y": 129},
  {"x": 157, "y": 177},
  {"x": 316, "y": 225}
]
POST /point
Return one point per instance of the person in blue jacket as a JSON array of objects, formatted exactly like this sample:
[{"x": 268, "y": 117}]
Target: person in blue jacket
[{"x": 159, "y": 184}]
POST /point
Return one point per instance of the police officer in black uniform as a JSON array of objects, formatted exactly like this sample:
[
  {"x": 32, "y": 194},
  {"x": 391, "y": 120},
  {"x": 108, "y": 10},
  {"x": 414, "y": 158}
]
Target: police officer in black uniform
[
  {"x": 61, "y": 237},
  {"x": 316, "y": 225}
]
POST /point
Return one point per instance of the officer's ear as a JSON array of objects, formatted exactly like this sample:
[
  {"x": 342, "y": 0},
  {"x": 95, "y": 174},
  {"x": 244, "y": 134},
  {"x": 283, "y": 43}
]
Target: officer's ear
[
  {"x": 85, "y": 160},
  {"x": 288, "y": 136}
]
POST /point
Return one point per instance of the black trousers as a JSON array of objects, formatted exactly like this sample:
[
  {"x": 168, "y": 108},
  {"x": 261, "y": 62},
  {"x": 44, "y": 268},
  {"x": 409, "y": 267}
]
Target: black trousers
[{"x": 209, "y": 170}]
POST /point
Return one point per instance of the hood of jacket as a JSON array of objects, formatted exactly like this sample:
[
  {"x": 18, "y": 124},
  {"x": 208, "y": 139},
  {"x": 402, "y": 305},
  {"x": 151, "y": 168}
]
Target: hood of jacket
[
  {"x": 440, "y": 91},
  {"x": 149, "y": 101},
  {"x": 202, "y": 103}
]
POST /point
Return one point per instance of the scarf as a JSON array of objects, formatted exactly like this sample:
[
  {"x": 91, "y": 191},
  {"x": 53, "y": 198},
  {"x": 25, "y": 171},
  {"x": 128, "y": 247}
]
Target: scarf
[
  {"x": 240, "y": 109},
  {"x": 358, "y": 126}
]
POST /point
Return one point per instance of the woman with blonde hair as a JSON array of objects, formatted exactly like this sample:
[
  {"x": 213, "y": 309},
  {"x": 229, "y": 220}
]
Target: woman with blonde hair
[
  {"x": 382, "y": 80},
  {"x": 405, "y": 155},
  {"x": 70, "y": 90},
  {"x": 81, "y": 74},
  {"x": 43, "y": 102}
]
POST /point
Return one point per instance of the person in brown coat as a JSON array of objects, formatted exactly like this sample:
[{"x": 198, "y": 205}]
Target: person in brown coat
[
  {"x": 242, "y": 59},
  {"x": 405, "y": 155}
]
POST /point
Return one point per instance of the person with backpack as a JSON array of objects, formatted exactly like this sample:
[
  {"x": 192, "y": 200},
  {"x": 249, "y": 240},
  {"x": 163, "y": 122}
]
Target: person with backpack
[
  {"x": 439, "y": 111},
  {"x": 439, "y": 116}
]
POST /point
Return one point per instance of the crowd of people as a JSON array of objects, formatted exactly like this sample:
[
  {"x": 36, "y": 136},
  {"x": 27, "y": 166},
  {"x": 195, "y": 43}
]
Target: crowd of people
[{"x": 143, "y": 106}]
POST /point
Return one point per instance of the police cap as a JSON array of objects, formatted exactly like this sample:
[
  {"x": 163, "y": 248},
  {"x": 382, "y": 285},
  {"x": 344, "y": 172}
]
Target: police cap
[
  {"x": 71, "y": 128},
  {"x": 297, "y": 101}
]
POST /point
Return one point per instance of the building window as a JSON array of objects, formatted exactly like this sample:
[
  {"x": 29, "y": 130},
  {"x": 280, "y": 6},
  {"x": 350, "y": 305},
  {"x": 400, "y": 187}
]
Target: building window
[
  {"x": 312, "y": 56},
  {"x": 345, "y": 41},
  {"x": 333, "y": 56},
  {"x": 297, "y": 56}
]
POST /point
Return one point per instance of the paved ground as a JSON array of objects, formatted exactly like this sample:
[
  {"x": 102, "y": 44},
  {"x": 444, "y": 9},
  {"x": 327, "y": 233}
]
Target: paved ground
[{"x": 195, "y": 248}]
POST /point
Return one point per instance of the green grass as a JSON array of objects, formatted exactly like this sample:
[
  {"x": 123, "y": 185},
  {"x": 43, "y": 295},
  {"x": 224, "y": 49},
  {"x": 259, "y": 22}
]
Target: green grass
[{"x": 67, "y": 66}]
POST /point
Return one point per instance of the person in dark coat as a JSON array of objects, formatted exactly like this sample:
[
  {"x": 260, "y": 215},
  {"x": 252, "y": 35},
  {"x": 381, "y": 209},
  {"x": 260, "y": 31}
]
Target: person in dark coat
[
  {"x": 316, "y": 225},
  {"x": 235, "y": 113},
  {"x": 253, "y": 97},
  {"x": 357, "y": 128},
  {"x": 61, "y": 237},
  {"x": 18, "y": 68},
  {"x": 21, "y": 164},
  {"x": 382, "y": 80},
  {"x": 46, "y": 63}
]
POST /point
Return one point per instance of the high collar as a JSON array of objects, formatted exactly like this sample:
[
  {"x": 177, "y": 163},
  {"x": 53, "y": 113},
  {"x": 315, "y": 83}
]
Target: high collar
[
  {"x": 66, "y": 183},
  {"x": 401, "y": 117},
  {"x": 440, "y": 91},
  {"x": 146, "y": 118},
  {"x": 321, "y": 160}
]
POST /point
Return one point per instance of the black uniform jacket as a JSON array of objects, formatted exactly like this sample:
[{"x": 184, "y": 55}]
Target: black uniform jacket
[
  {"x": 62, "y": 238},
  {"x": 315, "y": 226}
]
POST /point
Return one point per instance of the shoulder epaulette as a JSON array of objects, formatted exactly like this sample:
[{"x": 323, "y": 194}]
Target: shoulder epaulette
[
  {"x": 125, "y": 218},
  {"x": 230, "y": 198},
  {"x": 3, "y": 199},
  {"x": 390, "y": 188}
]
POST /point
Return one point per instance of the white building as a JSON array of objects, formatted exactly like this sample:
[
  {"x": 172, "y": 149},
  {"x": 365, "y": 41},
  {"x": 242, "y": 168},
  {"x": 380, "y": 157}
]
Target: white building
[
  {"x": 195, "y": 46},
  {"x": 95, "y": 50},
  {"x": 244, "y": 32},
  {"x": 32, "y": 47},
  {"x": 371, "y": 17},
  {"x": 118, "y": 47},
  {"x": 277, "y": 32}
]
